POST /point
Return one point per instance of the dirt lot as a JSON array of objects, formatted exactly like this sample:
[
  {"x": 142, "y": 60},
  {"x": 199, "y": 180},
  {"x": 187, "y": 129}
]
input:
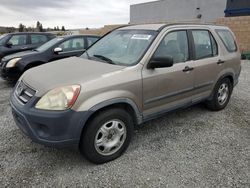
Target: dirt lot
[{"x": 188, "y": 148}]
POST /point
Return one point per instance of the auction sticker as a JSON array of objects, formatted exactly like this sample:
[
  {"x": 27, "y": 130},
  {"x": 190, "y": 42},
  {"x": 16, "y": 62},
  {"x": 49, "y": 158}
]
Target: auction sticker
[{"x": 141, "y": 37}]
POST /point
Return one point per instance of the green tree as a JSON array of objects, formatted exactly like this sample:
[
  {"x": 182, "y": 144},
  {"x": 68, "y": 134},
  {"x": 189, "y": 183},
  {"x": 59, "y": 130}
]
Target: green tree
[
  {"x": 40, "y": 29},
  {"x": 39, "y": 26},
  {"x": 21, "y": 27},
  {"x": 63, "y": 28}
]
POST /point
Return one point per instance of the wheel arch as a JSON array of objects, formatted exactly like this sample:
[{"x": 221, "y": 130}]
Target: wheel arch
[
  {"x": 230, "y": 76},
  {"x": 32, "y": 64},
  {"x": 126, "y": 104}
]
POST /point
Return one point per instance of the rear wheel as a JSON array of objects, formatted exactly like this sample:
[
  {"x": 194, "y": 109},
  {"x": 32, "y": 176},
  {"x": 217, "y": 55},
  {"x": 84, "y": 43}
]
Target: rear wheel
[
  {"x": 107, "y": 136},
  {"x": 221, "y": 95}
]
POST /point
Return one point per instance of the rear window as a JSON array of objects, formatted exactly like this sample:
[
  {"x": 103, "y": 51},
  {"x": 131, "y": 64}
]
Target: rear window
[
  {"x": 228, "y": 40},
  {"x": 91, "y": 40},
  {"x": 205, "y": 45},
  {"x": 37, "y": 39}
]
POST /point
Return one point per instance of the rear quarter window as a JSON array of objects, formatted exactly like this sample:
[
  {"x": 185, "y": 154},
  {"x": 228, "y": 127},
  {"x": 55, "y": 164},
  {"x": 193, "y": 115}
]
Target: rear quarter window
[{"x": 227, "y": 39}]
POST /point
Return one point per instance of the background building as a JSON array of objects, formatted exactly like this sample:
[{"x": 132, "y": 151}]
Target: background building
[
  {"x": 177, "y": 10},
  {"x": 233, "y": 13},
  {"x": 187, "y": 10},
  {"x": 237, "y": 8}
]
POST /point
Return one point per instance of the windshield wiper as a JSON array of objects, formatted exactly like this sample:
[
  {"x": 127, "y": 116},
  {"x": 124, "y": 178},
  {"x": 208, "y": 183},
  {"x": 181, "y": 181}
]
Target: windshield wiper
[{"x": 104, "y": 58}]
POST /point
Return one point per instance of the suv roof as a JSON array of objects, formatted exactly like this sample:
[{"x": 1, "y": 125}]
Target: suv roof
[
  {"x": 73, "y": 36},
  {"x": 25, "y": 33},
  {"x": 158, "y": 27}
]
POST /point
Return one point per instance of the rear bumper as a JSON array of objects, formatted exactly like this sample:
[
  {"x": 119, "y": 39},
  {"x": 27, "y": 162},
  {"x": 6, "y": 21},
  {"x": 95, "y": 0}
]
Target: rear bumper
[
  {"x": 236, "y": 80},
  {"x": 50, "y": 128}
]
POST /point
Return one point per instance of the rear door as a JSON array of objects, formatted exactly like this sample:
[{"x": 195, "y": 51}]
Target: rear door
[
  {"x": 37, "y": 40},
  {"x": 207, "y": 64},
  {"x": 168, "y": 88},
  {"x": 70, "y": 47}
]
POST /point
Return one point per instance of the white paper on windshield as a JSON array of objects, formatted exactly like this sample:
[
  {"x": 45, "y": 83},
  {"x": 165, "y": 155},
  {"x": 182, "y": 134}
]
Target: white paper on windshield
[{"x": 141, "y": 37}]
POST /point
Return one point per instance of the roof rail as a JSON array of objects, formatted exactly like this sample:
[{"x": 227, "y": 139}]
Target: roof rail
[{"x": 182, "y": 23}]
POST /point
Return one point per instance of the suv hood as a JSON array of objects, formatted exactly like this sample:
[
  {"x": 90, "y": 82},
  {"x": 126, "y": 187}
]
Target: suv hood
[{"x": 65, "y": 72}]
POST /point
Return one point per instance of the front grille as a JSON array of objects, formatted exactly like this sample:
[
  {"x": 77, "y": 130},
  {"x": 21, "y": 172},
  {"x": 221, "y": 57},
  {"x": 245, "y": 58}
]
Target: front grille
[{"x": 24, "y": 93}]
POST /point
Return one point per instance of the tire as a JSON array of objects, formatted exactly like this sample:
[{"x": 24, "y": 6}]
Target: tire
[
  {"x": 221, "y": 95},
  {"x": 107, "y": 136}
]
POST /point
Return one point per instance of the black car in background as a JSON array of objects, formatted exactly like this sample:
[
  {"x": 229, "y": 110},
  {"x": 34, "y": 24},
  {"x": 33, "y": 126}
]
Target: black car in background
[
  {"x": 12, "y": 66},
  {"x": 18, "y": 42}
]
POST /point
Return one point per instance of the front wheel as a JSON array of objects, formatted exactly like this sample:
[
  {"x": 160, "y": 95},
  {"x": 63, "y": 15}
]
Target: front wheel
[
  {"x": 107, "y": 136},
  {"x": 221, "y": 95}
]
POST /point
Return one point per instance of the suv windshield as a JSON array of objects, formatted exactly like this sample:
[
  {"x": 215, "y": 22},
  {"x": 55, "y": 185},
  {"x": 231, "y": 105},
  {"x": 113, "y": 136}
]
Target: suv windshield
[
  {"x": 121, "y": 47},
  {"x": 49, "y": 44}
]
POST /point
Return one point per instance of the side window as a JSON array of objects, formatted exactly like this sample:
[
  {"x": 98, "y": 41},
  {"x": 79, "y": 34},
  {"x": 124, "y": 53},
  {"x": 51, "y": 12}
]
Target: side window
[
  {"x": 174, "y": 44},
  {"x": 18, "y": 40},
  {"x": 78, "y": 44},
  {"x": 91, "y": 40},
  {"x": 205, "y": 45},
  {"x": 38, "y": 39},
  {"x": 228, "y": 40},
  {"x": 72, "y": 45}
]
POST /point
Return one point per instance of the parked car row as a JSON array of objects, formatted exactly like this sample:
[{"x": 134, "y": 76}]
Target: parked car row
[
  {"x": 17, "y": 42},
  {"x": 14, "y": 65},
  {"x": 131, "y": 75}
]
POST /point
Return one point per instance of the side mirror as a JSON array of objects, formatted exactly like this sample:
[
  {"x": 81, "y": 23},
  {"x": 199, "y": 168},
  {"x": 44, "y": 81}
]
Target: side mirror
[
  {"x": 161, "y": 62},
  {"x": 9, "y": 44},
  {"x": 58, "y": 50}
]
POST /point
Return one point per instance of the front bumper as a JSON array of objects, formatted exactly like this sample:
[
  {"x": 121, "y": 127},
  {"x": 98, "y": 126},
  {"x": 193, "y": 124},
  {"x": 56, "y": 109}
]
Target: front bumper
[
  {"x": 50, "y": 128},
  {"x": 9, "y": 73}
]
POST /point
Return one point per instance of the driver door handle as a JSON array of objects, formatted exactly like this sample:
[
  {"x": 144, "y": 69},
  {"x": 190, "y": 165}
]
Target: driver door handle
[
  {"x": 187, "y": 69},
  {"x": 220, "y": 62}
]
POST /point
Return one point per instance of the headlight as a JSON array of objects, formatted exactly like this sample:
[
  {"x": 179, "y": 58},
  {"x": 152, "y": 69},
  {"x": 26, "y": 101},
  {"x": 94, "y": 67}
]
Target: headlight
[
  {"x": 13, "y": 62},
  {"x": 61, "y": 98}
]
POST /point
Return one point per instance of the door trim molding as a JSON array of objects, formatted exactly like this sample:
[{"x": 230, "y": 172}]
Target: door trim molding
[{"x": 178, "y": 92}]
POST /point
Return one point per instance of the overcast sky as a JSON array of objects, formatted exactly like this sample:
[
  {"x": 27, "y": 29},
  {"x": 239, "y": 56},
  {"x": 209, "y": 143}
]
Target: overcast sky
[{"x": 70, "y": 13}]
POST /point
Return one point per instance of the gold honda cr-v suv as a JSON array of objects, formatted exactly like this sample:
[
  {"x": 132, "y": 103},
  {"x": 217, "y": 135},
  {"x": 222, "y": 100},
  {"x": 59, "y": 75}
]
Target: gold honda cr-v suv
[{"x": 129, "y": 76}]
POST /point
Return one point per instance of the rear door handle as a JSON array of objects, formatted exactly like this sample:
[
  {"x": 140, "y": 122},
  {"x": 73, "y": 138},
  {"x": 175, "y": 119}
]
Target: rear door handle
[
  {"x": 220, "y": 62},
  {"x": 187, "y": 69}
]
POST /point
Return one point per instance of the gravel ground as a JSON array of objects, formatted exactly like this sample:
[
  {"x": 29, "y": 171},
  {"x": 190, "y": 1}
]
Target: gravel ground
[{"x": 188, "y": 148}]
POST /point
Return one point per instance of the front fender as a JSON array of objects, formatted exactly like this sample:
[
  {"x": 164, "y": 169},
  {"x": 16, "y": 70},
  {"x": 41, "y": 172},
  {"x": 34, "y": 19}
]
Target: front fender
[
  {"x": 105, "y": 99},
  {"x": 22, "y": 65}
]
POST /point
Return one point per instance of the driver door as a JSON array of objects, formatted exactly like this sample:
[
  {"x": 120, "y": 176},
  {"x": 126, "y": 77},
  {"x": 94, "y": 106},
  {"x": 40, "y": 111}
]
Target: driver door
[
  {"x": 167, "y": 88},
  {"x": 71, "y": 47},
  {"x": 18, "y": 43}
]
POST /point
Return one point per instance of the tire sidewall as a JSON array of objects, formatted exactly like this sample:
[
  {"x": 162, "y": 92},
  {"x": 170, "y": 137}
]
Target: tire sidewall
[
  {"x": 87, "y": 145},
  {"x": 215, "y": 97}
]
